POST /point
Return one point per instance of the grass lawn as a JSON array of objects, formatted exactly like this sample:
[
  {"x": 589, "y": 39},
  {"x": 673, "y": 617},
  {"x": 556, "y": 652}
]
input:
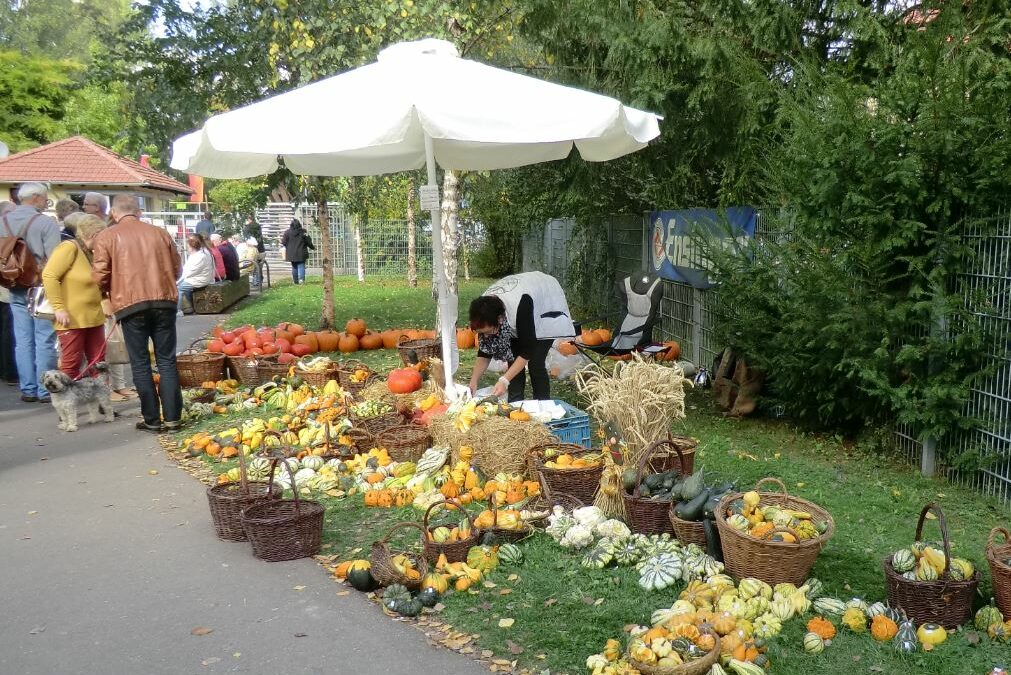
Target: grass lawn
[{"x": 559, "y": 620}]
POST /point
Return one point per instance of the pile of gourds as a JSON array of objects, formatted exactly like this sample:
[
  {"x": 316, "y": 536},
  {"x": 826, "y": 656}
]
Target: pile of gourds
[
  {"x": 749, "y": 516},
  {"x": 926, "y": 562}
]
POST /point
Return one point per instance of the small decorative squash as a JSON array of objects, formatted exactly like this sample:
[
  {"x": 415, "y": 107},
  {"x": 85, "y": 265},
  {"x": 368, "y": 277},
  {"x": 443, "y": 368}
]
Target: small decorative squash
[
  {"x": 567, "y": 349},
  {"x": 706, "y": 642},
  {"x": 404, "y": 381},
  {"x": 355, "y": 327},
  {"x": 883, "y": 629},
  {"x": 931, "y": 634},
  {"x": 999, "y": 632},
  {"x": 359, "y": 575},
  {"x": 590, "y": 339},
  {"x": 347, "y": 343},
  {"x": 821, "y": 627},
  {"x": 723, "y": 623},
  {"x": 903, "y": 561},
  {"x": 510, "y": 554},
  {"x": 688, "y": 631},
  {"x": 482, "y": 558},
  {"x": 436, "y": 581},
  {"x": 671, "y": 352},
  {"x": 429, "y": 597},
  {"x": 813, "y": 643},
  {"x": 855, "y": 619},
  {"x": 905, "y": 640},
  {"x": 987, "y": 616}
]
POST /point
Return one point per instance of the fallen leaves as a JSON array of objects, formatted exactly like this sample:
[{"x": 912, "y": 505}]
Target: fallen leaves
[
  {"x": 298, "y": 588},
  {"x": 201, "y": 630},
  {"x": 506, "y": 623},
  {"x": 514, "y": 648},
  {"x": 550, "y": 601}
]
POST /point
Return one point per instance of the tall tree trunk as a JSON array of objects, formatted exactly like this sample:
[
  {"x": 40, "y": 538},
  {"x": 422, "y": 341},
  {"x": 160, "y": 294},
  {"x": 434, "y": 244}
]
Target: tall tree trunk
[
  {"x": 323, "y": 220},
  {"x": 412, "y": 239},
  {"x": 450, "y": 209}
]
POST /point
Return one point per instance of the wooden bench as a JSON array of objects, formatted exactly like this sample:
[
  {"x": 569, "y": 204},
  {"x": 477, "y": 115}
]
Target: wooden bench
[{"x": 218, "y": 297}]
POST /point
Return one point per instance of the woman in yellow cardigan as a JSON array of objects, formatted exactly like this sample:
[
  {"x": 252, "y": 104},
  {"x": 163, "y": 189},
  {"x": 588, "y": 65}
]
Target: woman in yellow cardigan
[{"x": 76, "y": 300}]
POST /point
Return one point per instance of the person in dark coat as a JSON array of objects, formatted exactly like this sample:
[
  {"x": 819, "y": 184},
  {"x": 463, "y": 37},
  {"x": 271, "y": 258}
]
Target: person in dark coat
[
  {"x": 297, "y": 244},
  {"x": 228, "y": 255}
]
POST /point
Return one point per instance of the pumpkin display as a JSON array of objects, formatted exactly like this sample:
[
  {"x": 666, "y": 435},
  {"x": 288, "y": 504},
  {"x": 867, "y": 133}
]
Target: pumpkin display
[
  {"x": 327, "y": 340},
  {"x": 391, "y": 338},
  {"x": 347, "y": 343},
  {"x": 671, "y": 352},
  {"x": 590, "y": 339},
  {"x": 293, "y": 328},
  {"x": 567, "y": 349},
  {"x": 308, "y": 340},
  {"x": 371, "y": 341},
  {"x": 355, "y": 327},
  {"x": 404, "y": 381}
]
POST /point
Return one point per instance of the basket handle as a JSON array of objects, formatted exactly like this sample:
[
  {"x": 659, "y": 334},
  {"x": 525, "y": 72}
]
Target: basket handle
[
  {"x": 243, "y": 479},
  {"x": 933, "y": 506},
  {"x": 449, "y": 502},
  {"x": 647, "y": 455},
  {"x": 386, "y": 540},
  {"x": 772, "y": 479},
  {"x": 192, "y": 349},
  {"x": 991, "y": 543}
]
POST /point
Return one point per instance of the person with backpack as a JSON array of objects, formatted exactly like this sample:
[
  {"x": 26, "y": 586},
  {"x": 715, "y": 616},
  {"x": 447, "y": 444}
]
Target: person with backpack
[{"x": 27, "y": 239}]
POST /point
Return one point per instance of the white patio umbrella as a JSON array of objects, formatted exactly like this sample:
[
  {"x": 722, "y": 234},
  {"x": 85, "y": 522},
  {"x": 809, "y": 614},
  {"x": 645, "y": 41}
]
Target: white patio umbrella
[{"x": 419, "y": 105}]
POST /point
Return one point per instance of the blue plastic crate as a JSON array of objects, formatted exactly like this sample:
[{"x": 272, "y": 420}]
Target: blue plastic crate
[{"x": 573, "y": 428}]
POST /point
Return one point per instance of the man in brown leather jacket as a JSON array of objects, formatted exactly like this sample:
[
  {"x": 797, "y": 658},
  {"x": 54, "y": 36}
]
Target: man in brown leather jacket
[{"x": 136, "y": 265}]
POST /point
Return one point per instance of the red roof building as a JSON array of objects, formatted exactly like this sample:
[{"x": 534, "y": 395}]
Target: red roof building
[{"x": 76, "y": 165}]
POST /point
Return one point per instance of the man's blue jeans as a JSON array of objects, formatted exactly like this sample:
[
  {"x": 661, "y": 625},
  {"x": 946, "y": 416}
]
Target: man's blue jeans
[
  {"x": 34, "y": 346},
  {"x": 298, "y": 272}
]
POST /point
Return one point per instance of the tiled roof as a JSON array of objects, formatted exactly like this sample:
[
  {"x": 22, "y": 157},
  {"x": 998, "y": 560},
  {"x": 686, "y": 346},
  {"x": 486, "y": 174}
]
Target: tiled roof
[{"x": 79, "y": 161}]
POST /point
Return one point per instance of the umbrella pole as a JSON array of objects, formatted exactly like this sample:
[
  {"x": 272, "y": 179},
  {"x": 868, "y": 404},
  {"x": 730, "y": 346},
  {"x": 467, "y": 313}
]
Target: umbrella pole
[{"x": 447, "y": 334}]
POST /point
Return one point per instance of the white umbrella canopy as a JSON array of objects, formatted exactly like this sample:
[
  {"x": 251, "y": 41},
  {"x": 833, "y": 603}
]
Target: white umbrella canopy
[{"x": 418, "y": 105}]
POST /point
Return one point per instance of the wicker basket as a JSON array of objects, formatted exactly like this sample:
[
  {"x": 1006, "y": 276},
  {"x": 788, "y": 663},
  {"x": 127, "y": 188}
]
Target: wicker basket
[
  {"x": 379, "y": 423},
  {"x": 454, "y": 551},
  {"x": 319, "y": 379},
  {"x": 196, "y": 366},
  {"x": 773, "y": 562},
  {"x": 1000, "y": 571},
  {"x": 227, "y": 502},
  {"x": 284, "y": 529},
  {"x": 683, "y": 461},
  {"x": 423, "y": 348},
  {"x": 946, "y": 602},
  {"x": 361, "y": 438},
  {"x": 547, "y": 500},
  {"x": 646, "y": 515},
  {"x": 381, "y": 557},
  {"x": 404, "y": 442},
  {"x": 268, "y": 370},
  {"x": 246, "y": 369},
  {"x": 347, "y": 369},
  {"x": 580, "y": 483},
  {"x": 697, "y": 667},
  {"x": 505, "y": 534},
  {"x": 688, "y": 531}
]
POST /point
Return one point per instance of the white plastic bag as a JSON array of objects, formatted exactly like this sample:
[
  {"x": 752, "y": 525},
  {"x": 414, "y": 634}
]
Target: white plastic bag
[
  {"x": 562, "y": 367},
  {"x": 497, "y": 366}
]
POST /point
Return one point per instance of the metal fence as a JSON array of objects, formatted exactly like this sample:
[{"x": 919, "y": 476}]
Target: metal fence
[{"x": 384, "y": 242}]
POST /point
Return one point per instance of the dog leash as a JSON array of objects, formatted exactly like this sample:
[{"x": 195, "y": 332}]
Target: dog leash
[{"x": 101, "y": 353}]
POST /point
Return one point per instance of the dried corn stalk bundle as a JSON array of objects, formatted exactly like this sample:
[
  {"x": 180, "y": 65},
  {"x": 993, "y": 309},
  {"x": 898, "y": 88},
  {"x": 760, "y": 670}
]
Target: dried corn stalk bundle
[
  {"x": 608, "y": 498},
  {"x": 641, "y": 399}
]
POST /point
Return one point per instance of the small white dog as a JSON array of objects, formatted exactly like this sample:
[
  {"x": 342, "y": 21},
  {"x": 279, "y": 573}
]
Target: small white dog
[{"x": 67, "y": 393}]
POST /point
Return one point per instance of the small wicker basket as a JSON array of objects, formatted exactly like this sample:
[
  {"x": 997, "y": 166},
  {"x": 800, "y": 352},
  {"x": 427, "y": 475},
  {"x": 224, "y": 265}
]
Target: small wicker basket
[
  {"x": 227, "y": 502},
  {"x": 647, "y": 515},
  {"x": 504, "y": 533},
  {"x": 247, "y": 369},
  {"x": 381, "y": 557},
  {"x": 404, "y": 442},
  {"x": 580, "y": 483},
  {"x": 697, "y": 667},
  {"x": 454, "y": 551},
  {"x": 318, "y": 379},
  {"x": 284, "y": 529},
  {"x": 378, "y": 423},
  {"x": 347, "y": 370},
  {"x": 196, "y": 366},
  {"x": 945, "y": 601},
  {"x": 423, "y": 349}
]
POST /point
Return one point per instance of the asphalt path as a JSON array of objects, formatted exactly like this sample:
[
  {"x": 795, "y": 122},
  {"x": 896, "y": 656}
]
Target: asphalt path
[{"x": 109, "y": 564}]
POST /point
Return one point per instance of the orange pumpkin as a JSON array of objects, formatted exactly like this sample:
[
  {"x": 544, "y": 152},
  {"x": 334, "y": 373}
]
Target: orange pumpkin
[
  {"x": 371, "y": 341},
  {"x": 590, "y": 339},
  {"x": 604, "y": 334},
  {"x": 293, "y": 328},
  {"x": 671, "y": 352},
  {"x": 328, "y": 340},
  {"x": 355, "y": 327},
  {"x": 567, "y": 349},
  {"x": 404, "y": 381},
  {"x": 309, "y": 340},
  {"x": 390, "y": 338},
  {"x": 465, "y": 338},
  {"x": 284, "y": 335},
  {"x": 348, "y": 343}
]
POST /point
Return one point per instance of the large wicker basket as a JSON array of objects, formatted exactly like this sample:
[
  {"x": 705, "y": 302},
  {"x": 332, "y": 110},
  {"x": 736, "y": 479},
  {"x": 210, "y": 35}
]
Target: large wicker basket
[
  {"x": 196, "y": 366},
  {"x": 247, "y": 369},
  {"x": 683, "y": 460},
  {"x": 697, "y": 667},
  {"x": 284, "y": 529},
  {"x": 424, "y": 348},
  {"x": 773, "y": 562},
  {"x": 998, "y": 556},
  {"x": 688, "y": 531},
  {"x": 268, "y": 370},
  {"x": 361, "y": 438},
  {"x": 945, "y": 601},
  {"x": 377, "y": 424},
  {"x": 228, "y": 501},
  {"x": 647, "y": 515},
  {"x": 455, "y": 551},
  {"x": 381, "y": 557},
  {"x": 404, "y": 442},
  {"x": 580, "y": 483}
]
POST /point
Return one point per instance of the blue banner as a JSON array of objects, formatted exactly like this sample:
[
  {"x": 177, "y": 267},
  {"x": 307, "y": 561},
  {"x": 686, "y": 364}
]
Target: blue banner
[{"x": 672, "y": 251}]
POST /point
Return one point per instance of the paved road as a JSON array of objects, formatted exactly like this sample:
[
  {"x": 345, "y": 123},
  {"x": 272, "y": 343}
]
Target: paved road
[{"x": 106, "y": 569}]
